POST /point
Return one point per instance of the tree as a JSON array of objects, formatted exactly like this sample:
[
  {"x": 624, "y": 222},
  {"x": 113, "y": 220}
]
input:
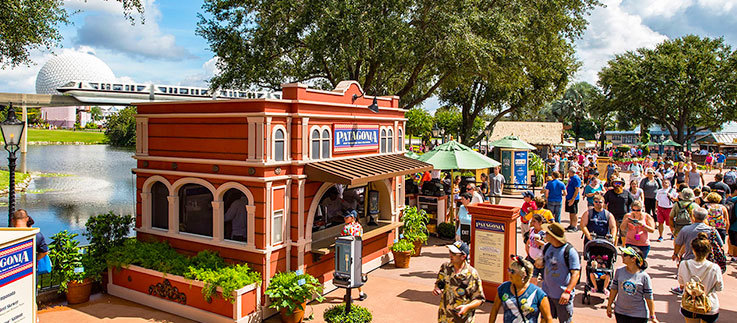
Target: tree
[
  {"x": 686, "y": 85},
  {"x": 121, "y": 128},
  {"x": 96, "y": 113},
  {"x": 449, "y": 119},
  {"x": 407, "y": 48},
  {"x": 419, "y": 123},
  {"x": 577, "y": 107},
  {"x": 26, "y": 25}
]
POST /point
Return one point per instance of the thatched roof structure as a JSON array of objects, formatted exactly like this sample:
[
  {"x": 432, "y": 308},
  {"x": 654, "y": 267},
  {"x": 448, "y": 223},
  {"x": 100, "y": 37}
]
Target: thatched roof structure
[{"x": 534, "y": 133}]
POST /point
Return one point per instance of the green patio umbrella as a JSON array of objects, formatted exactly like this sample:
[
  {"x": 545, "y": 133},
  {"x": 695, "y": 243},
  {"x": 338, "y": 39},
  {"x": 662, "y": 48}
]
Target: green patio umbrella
[
  {"x": 511, "y": 142},
  {"x": 671, "y": 143},
  {"x": 412, "y": 154},
  {"x": 453, "y": 155}
]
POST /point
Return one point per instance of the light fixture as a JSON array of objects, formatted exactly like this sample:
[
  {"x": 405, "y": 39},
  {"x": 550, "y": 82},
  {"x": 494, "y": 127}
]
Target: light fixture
[
  {"x": 12, "y": 130},
  {"x": 374, "y": 107}
]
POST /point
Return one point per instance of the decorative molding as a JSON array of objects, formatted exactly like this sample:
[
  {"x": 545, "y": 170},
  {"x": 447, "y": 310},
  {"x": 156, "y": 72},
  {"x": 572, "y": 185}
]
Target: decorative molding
[
  {"x": 210, "y": 175},
  {"x": 167, "y": 291}
]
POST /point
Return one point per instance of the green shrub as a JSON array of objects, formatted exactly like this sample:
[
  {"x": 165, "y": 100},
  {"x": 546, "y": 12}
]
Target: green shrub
[
  {"x": 358, "y": 314},
  {"x": 403, "y": 245},
  {"x": 67, "y": 259},
  {"x": 104, "y": 231},
  {"x": 290, "y": 289},
  {"x": 446, "y": 230},
  {"x": 121, "y": 128},
  {"x": 206, "y": 266},
  {"x": 415, "y": 224}
]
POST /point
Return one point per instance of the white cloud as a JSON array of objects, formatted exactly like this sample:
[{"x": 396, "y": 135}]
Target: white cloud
[
  {"x": 106, "y": 27},
  {"x": 208, "y": 70},
  {"x": 22, "y": 79},
  {"x": 664, "y": 8},
  {"x": 611, "y": 31}
]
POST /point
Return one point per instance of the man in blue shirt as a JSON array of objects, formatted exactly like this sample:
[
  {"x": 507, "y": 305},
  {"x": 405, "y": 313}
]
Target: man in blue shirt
[
  {"x": 572, "y": 197},
  {"x": 562, "y": 269},
  {"x": 553, "y": 192}
]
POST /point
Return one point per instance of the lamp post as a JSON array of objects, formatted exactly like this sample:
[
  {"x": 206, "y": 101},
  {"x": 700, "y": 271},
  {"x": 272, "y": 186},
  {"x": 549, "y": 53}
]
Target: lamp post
[
  {"x": 662, "y": 139},
  {"x": 12, "y": 130},
  {"x": 487, "y": 132},
  {"x": 442, "y": 135},
  {"x": 597, "y": 135}
]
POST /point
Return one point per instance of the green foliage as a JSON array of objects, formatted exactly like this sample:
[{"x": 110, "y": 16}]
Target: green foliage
[
  {"x": 96, "y": 113},
  {"x": 415, "y": 224},
  {"x": 419, "y": 122},
  {"x": 27, "y": 25},
  {"x": 289, "y": 290},
  {"x": 403, "y": 245},
  {"x": 537, "y": 165},
  {"x": 450, "y": 119},
  {"x": 206, "y": 266},
  {"x": 105, "y": 231},
  {"x": 685, "y": 84},
  {"x": 121, "y": 128},
  {"x": 623, "y": 149},
  {"x": 67, "y": 259},
  {"x": 446, "y": 230},
  {"x": 404, "y": 48},
  {"x": 358, "y": 314}
]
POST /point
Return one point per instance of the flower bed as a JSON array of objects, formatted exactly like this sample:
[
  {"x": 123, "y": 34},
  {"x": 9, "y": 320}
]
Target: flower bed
[{"x": 181, "y": 296}]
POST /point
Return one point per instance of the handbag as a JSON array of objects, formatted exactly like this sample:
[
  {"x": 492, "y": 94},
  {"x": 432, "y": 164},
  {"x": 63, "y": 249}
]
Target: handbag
[
  {"x": 694, "y": 298},
  {"x": 44, "y": 265},
  {"x": 717, "y": 253}
]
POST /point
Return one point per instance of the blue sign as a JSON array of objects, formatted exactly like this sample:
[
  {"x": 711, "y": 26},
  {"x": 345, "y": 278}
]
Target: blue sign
[
  {"x": 520, "y": 169},
  {"x": 16, "y": 262},
  {"x": 350, "y": 137}
]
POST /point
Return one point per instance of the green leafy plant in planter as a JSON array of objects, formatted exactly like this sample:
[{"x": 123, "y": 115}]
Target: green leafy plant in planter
[
  {"x": 289, "y": 290},
  {"x": 415, "y": 224},
  {"x": 358, "y": 314},
  {"x": 446, "y": 230},
  {"x": 67, "y": 257},
  {"x": 403, "y": 245},
  {"x": 105, "y": 231}
]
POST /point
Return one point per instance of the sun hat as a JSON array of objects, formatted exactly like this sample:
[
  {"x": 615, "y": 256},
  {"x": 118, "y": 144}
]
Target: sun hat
[
  {"x": 459, "y": 247},
  {"x": 556, "y": 231},
  {"x": 687, "y": 195},
  {"x": 630, "y": 251},
  {"x": 617, "y": 180}
]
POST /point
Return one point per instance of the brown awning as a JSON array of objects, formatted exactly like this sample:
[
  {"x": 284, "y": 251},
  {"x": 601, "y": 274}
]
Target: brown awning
[{"x": 362, "y": 170}]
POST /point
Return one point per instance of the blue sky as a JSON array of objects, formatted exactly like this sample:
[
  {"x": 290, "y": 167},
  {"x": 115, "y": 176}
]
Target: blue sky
[{"x": 165, "y": 49}]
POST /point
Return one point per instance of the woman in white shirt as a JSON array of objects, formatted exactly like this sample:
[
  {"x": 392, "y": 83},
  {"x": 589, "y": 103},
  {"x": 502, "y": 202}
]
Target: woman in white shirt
[
  {"x": 708, "y": 274},
  {"x": 636, "y": 191},
  {"x": 665, "y": 198}
]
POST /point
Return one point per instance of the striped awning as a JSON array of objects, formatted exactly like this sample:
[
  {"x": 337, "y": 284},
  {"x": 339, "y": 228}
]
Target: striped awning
[{"x": 362, "y": 170}]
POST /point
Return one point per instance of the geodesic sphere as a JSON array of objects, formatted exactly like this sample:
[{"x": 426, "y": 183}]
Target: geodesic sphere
[{"x": 71, "y": 67}]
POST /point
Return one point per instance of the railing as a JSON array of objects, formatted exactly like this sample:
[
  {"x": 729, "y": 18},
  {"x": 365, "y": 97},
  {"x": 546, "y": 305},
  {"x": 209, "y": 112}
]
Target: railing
[{"x": 51, "y": 281}]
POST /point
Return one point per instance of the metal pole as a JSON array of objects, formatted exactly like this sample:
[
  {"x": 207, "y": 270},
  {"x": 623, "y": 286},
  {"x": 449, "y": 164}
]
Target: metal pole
[
  {"x": 11, "y": 186},
  {"x": 348, "y": 300}
]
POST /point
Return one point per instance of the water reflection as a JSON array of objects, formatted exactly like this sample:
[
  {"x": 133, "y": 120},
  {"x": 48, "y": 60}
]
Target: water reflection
[{"x": 101, "y": 181}]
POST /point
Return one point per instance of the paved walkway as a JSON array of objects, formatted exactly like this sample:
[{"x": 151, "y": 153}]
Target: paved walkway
[{"x": 404, "y": 295}]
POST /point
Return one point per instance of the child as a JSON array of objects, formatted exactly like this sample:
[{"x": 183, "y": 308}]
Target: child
[
  {"x": 600, "y": 262},
  {"x": 527, "y": 207},
  {"x": 354, "y": 229},
  {"x": 534, "y": 245},
  {"x": 540, "y": 209}
]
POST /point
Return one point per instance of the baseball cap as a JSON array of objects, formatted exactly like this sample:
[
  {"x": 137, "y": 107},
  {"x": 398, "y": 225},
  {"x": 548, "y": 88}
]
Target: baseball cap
[
  {"x": 528, "y": 194},
  {"x": 350, "y": 213},
  {"x": 459, "y": 247}
]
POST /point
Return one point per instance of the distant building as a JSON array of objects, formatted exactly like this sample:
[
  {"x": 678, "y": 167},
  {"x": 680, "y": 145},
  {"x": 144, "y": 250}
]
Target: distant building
[{"x": 542, "y": 135}]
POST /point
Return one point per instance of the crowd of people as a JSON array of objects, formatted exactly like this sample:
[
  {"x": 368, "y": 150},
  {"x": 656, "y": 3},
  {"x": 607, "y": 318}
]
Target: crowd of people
[{"x": 660, "y": 193}]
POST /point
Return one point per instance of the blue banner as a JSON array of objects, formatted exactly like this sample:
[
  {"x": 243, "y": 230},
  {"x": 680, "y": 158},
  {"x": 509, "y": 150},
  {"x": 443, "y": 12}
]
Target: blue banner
[
  {"x": 16, "y": 262},
  {"x": 520, "y": 169},
  {"x": 489, "y": 226},
  {"x": 355, "y": 137}
]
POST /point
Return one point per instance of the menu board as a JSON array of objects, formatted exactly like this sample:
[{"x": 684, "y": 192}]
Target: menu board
[
  {"x": 520, "y": 169},
  {"x": 488, "y": 256},
  {"x": 17, "y": 288}
]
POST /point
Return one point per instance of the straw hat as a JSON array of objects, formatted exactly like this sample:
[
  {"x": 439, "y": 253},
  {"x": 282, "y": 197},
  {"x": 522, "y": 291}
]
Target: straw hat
[
  {"x": 556, "y": 231},
  {"x": 687, "y": 195}
]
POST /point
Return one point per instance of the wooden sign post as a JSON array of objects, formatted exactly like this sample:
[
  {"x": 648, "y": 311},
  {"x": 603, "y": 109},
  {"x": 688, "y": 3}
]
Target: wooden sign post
[{"x": 493, "y": 240}]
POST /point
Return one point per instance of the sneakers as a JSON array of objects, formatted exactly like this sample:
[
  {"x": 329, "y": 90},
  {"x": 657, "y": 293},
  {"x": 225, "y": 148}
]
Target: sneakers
[
  {"x": 571, "y": 229},
  {"x": 362, "y": 296},
  {"x": 677, "y": 290},
  {"x": 660, "y": 239},
  {"x": 733, "y": 259}
]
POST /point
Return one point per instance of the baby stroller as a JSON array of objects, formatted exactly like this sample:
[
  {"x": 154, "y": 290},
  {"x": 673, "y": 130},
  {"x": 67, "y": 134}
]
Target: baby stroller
[{"x": 601, "y": 249}]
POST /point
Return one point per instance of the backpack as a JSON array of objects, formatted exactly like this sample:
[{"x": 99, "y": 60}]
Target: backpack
[
  {"x": 566, "y": 252},
  {"x": 730, "y": 178},
  {"x": 731, "y": 209},
  {"x": 717, "y": 253},
  {"x": 694, "y": 298},
  {"x": 682, "y": 217}
]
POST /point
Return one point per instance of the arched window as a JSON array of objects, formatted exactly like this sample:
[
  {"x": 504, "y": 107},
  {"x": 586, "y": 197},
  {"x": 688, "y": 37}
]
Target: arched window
[
  {"x": 195, "y": 210},
  {"x": 279, "y": 145},
  {"x": 235, "y": 218},
  {"x": 159, "y": 206},
  {"x": 315, "y": 145},
  {"x": 325, "y": 143},
  {"x": 382, "y": 137},
  {"x": 390, "y": 140},
  {"x": 400, "y": 140}
]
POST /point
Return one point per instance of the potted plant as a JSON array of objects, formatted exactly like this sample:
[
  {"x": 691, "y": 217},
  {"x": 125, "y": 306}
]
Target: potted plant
[
  {"x": 68, "y": 260},
  {"x": 415, "y": 227},
  {"x": 447, "y": 230},
  {"x": 289, "y": 293},
  {"x": 337, "y": 314},
  {"x": 402, "y": 250}
]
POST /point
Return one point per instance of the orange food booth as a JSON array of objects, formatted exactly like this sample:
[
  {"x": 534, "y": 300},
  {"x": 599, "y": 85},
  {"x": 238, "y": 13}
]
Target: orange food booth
[{"x": 264, "y": 182}]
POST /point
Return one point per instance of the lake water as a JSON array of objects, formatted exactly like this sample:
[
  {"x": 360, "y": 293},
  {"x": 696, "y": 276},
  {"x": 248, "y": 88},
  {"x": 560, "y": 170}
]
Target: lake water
[{"x": 99, "y": 180}]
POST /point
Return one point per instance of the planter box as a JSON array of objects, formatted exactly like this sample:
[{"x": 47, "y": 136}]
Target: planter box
[{"x": 182, "y": 296}]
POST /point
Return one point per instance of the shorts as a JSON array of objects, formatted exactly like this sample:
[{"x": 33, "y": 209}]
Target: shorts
[
  {"x": 621, "y": 233},
  {"x": 621, "y": 318},
  {"x": 564, "y": 313},
  {"x": 733, "y": 238},
  {"x": 708, "y": 318},
  {"x": 572, "y": 208},
  {"x": 536, "y": 272},
  {"x": 720, "y": 165},
  {"x": 663, "y": 215}
]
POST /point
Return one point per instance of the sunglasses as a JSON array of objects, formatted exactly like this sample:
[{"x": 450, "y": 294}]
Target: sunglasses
[
  {"x": 636, "y": 210},
  {"x": 627, "y": 255},
  {"x": 598, "y": 202}
]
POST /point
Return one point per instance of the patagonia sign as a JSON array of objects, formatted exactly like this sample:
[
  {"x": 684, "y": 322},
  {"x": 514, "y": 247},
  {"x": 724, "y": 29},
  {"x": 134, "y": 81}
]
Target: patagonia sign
[
  {"x": 16, "y": 262},
  {"x": 351, "y": 137}
]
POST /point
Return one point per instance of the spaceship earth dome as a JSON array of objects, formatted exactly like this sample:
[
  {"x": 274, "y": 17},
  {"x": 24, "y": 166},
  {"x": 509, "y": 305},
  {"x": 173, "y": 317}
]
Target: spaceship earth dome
[{"x": 73, "y": 66}]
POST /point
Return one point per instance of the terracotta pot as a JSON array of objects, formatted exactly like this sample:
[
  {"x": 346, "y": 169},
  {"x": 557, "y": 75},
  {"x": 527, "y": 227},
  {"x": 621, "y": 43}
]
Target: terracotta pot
[
  {"x": 296, "y": 317},
  {"x": 79, "y": 292},
  {"x": 418, "y": 248},
  {"x": 401, "y": 258}
]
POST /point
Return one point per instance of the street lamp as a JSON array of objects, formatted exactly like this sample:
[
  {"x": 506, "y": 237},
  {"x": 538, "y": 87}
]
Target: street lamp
[
  {"x": 662, "y": 139},
  {"x": 487, "y": 132},
  {"x": 12, "y": 130},
  {"x": 442, "y": 134},
  {"x": 597, "y": 135}
]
